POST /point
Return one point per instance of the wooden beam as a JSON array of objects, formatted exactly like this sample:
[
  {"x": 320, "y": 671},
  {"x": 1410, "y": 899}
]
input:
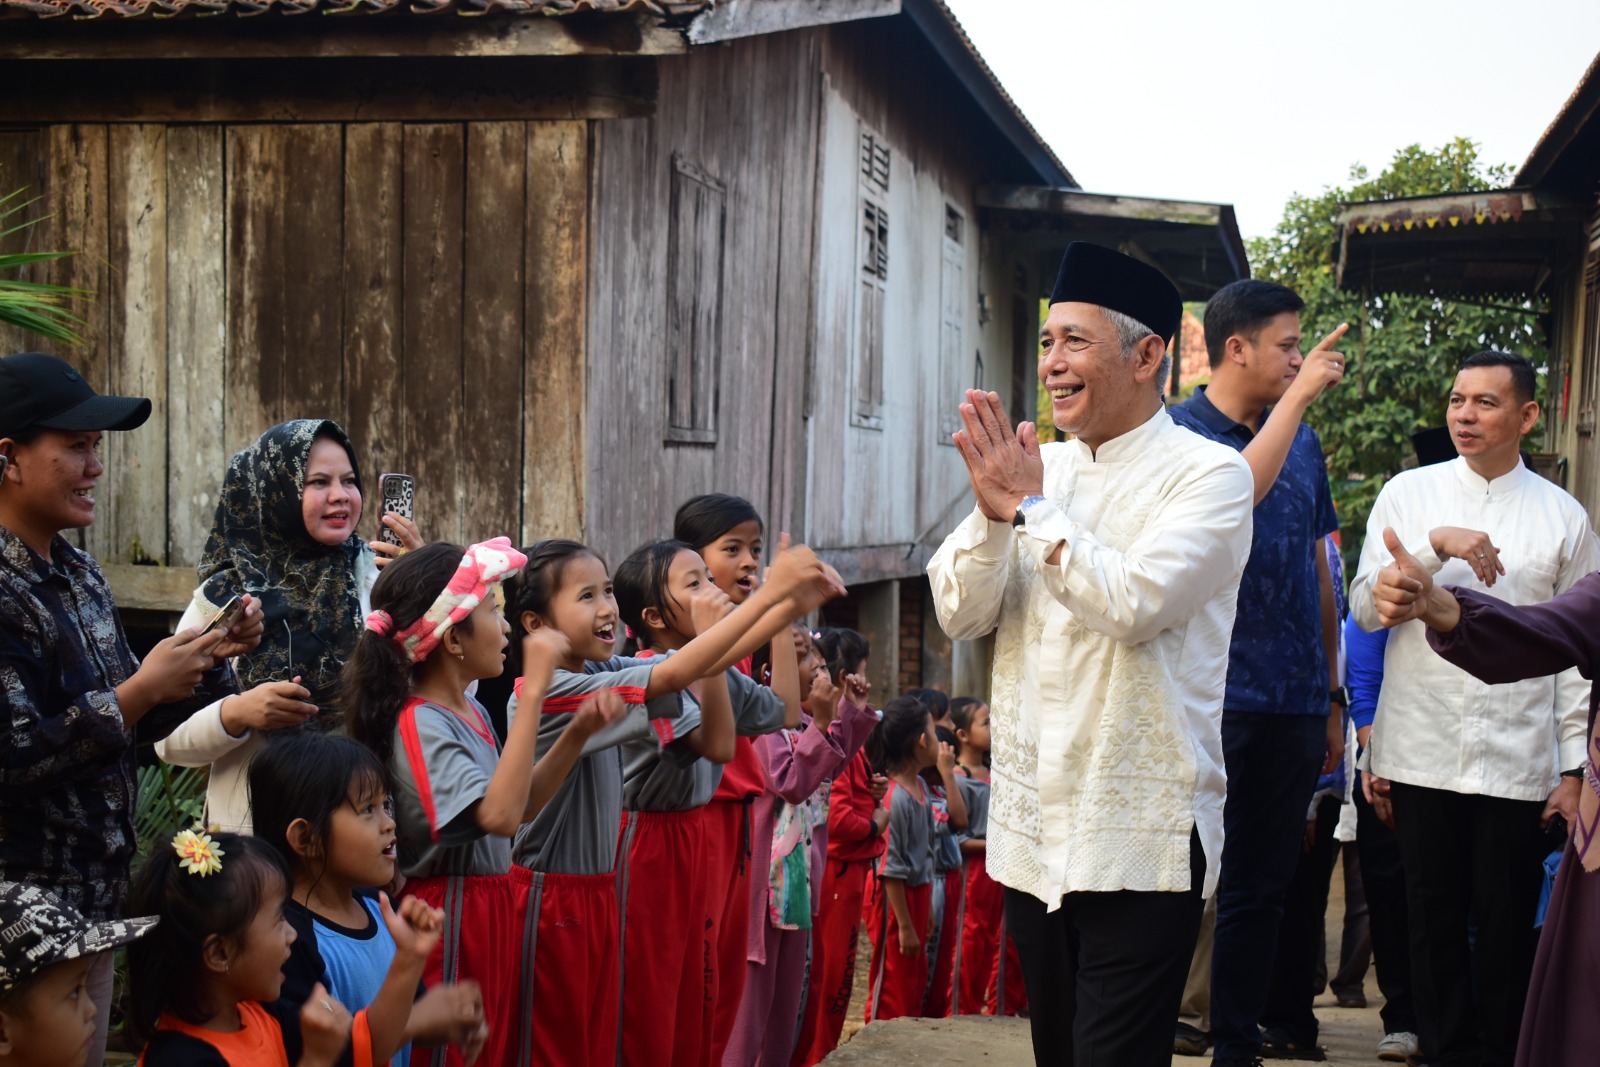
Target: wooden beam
[
  {"x": 732, "y": 19},
  {"x": 1097, "y": 205},
  {"x": 878, "y": 563},
  {"x": 137, "y": 588},
  {"x": 329, "y": 90},
  {"x": 264, "y": 37}
]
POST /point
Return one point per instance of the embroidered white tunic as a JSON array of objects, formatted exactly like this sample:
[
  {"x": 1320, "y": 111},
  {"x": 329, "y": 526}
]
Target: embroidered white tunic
[
  {"x": 1109, "y": 665},
  {"x": 1437, "y": 726}
]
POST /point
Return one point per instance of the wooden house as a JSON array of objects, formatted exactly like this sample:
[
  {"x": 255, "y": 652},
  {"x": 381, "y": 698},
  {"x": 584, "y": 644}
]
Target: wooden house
[
  {"x": 567, "y": 262},
  {"x": 1537, "y": 241}
]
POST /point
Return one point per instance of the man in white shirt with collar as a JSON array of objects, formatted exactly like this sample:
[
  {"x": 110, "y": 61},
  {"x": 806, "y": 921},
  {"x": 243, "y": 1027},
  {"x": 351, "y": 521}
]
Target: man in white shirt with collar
[
  {"x": 1108, "y": 568},
  {"x": 1476, "y": 769}
]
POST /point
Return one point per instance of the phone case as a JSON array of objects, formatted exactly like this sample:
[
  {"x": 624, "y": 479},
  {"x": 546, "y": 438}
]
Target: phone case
[{"x": 398, "y": 494}]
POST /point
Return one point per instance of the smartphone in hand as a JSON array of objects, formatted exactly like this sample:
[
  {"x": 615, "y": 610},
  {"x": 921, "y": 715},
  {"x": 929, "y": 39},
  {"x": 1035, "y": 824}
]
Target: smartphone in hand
[
  {"x": 398, "y": 494},
  {"x": 228, "y": 616}
]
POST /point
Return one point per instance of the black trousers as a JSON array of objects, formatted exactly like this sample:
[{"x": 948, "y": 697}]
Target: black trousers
[
  {"x": 1273, "y": 762},
  {"x": 1469, "y": 858},
  {"x": 1300, "y": 934},
  {"x": 1383, "y": 879},
  {"x": 1105, "y": 971}
]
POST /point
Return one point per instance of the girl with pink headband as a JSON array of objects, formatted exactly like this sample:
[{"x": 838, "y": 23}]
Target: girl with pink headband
[
  {"x": 435, "y": 629},
  {"x": 572, "y": 845}
]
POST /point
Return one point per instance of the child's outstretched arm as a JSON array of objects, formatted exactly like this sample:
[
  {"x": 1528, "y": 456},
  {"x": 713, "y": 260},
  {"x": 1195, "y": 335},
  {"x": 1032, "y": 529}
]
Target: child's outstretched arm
[
  {"x": 786, "y": 677},
  {"x": 750, "y": 625},
  {"x": 416, "y": 929},
  {"x": 715, "y": 738},
  {"x": 522, "y": 783},
  {"x": 450, "y": 1014},
  {"x": 598, "y": 710}
]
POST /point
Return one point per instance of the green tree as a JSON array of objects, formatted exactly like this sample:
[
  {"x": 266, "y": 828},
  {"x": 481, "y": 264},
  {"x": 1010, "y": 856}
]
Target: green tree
[{"x": 1403, "y": 350}]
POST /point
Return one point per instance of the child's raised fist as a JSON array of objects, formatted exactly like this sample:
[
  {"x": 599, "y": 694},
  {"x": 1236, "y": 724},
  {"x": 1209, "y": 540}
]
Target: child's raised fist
[
  {"x": 324, "y": 1028},
  {"x": 415, "y": 926}
]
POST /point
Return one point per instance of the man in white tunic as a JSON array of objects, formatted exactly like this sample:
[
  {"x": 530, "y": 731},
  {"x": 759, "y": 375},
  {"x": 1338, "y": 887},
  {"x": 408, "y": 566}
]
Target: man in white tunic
[
  {"x": 1476, "y": 768},
  {"x": 1108, "y": 568}
]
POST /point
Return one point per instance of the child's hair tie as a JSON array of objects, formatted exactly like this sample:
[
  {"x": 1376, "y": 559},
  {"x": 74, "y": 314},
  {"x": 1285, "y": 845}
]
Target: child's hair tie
[
  {"x": 197, "y": 853},
  {"x": 380, "y": 622}
]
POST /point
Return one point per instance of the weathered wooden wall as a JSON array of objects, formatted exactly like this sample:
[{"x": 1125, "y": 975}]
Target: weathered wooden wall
[
  {"x": 876, "y": 493},
  {"x": 744, "y": 115},
  {"x": 424, "y": 284}
]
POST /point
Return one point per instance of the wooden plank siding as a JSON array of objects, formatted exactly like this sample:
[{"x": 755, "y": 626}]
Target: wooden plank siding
[
  {"x": 743, "y": 116},
  {"x": 403, "y": 279},
  {"x": 880, "y": 498}
]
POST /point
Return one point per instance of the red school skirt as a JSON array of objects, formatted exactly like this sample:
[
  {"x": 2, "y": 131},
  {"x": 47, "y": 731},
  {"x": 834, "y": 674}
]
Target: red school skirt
[
  {"x": 486, "y": 919},
  {"x": 727, "y": 879},
  {"x": 978, "y": 930},
  {"x": 665, "y": 948},
  {"x": 939, "y": 999},
  {"x": 833, "y": 960}
]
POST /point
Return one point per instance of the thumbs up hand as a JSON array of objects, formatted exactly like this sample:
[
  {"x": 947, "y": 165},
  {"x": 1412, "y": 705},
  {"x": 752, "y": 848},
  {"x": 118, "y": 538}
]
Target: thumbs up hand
[{"x": 1401, "y": 592}]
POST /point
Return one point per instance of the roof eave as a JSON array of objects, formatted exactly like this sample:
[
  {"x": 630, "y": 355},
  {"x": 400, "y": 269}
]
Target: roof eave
[
  {"x": 943, "y": 31},
  {"x": 1581, "y": 108}
]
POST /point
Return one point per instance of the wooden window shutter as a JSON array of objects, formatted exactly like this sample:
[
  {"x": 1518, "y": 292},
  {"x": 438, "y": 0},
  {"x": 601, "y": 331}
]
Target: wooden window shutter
[
  {"x": 870, "y": 308},
  {"x": 952, "y": 315},
  {"x": 696, "y": 239},
  {"x": 1590, "y": 396}
]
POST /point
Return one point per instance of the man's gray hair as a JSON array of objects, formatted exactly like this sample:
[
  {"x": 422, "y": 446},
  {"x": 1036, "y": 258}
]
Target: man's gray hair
[{"x": 1130, "y": 331}]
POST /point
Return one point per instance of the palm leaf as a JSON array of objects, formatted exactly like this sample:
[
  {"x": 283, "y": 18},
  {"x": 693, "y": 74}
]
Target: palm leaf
[
  {"x": 170, "y": 798},
  {"x": 35, "y": 307}
]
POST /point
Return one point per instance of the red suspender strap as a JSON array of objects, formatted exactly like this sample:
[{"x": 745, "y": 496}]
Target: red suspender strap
[{"x": 412, "y": 743}]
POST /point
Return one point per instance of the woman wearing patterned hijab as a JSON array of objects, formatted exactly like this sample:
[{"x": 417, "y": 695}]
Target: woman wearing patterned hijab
[{"x": 285, "y": 534}]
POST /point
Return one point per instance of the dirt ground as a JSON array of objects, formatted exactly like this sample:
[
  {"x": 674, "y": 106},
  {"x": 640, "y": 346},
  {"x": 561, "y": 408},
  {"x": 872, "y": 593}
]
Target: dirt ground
[{"x": 1349, "y": 1034}]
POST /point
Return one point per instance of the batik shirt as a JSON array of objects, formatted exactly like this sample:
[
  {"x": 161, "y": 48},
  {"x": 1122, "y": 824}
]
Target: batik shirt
[
  {"x": 67, "y": 769},
  {"x": 1277, "y": 662}
]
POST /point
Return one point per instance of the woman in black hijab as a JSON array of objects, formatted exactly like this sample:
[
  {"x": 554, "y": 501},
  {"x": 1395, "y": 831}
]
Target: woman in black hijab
[{"x": 285, "y": 535}]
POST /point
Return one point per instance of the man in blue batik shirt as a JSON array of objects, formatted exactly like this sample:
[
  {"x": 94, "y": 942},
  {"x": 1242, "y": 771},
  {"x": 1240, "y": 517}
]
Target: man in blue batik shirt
[{"x": 1282, "y": 718}]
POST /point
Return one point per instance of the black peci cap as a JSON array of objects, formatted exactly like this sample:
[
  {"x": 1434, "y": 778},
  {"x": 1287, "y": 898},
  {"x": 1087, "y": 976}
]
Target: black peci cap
[
  {"x": 1091, "y": 274},
  {"x": 40, "y": 392}
]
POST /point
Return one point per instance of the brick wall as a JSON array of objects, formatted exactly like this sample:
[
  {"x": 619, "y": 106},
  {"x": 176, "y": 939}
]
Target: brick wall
[{"x": 911, "y": 633}]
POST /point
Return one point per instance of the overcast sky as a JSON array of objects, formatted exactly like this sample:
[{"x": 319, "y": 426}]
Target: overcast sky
[{"x": 1250, "y": 101}]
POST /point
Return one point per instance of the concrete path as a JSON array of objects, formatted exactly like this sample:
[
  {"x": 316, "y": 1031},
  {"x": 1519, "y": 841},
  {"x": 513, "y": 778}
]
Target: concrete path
[{"x": 1349, "y": 1035}]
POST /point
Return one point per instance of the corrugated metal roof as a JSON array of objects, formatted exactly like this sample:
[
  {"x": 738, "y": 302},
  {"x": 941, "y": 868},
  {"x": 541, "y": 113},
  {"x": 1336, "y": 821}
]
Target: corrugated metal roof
[
  {"x": 988, "y": 73},
  {"x": 132, "y": 9}
]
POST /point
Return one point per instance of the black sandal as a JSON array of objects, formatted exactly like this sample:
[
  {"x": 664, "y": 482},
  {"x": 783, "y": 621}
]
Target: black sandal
[{"x": 1278, "y": 1045}]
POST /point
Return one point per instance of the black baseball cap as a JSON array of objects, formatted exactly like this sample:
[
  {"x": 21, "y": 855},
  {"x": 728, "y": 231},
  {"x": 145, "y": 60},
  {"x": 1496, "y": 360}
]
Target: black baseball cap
[
  {"x": 38, "y": 930},
  {"x": 40, "y": 392}
]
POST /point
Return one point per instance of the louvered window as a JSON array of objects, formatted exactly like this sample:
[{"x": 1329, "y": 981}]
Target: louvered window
[
  {"x": 874, "y": 162},
  {"x": 695, "y": 242}
]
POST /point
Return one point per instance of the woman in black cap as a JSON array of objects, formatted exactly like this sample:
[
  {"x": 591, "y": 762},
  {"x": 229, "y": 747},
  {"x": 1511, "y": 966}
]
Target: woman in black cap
[
  {"x": 284, "y": 534},
  {"x": 72, "y": 693}
]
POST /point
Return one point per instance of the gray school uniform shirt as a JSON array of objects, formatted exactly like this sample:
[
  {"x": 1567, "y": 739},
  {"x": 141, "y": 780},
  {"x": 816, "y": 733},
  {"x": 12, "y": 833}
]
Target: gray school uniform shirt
[
  {"x": 975, "y": 794},
  {"x": 661, "y": 779},
  {"x": 441, "y": 769},
  {"x": 577, "y": 831},
  {"x": 946, "y": 843},
  {"x": 909, "y": 856}
]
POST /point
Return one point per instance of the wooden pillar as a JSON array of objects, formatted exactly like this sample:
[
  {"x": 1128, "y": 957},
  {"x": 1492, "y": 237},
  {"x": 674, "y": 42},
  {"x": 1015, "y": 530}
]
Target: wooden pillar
[{"x": 879, "y": 623}]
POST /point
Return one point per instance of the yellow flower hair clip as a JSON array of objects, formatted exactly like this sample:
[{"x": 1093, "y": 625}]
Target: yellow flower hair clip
[{"x": 197, "y": 853}]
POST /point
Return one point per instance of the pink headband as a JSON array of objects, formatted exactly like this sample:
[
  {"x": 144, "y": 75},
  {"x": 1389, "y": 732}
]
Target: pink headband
[{"x": 484, "y": 565}]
